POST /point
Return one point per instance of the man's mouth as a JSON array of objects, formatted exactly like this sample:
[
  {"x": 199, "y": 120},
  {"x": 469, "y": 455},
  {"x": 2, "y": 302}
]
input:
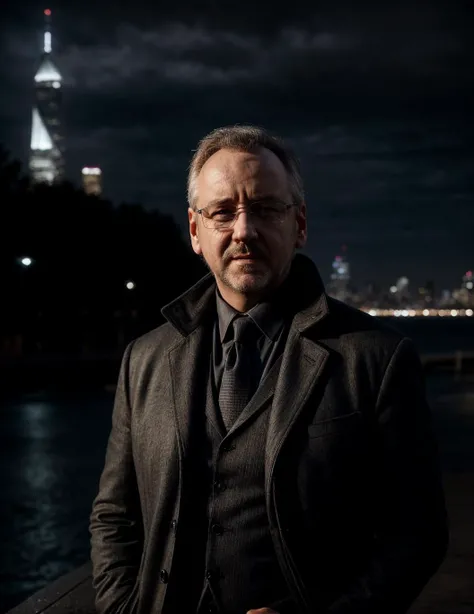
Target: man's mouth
[{"x": 246, "y": 257}]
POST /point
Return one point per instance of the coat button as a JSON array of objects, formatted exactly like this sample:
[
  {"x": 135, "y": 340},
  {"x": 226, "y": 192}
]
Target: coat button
[
  {"x": 164, "y": 576},
  {"x": 219, "y": 486},
  {"x": 217, "y": 529},
  {"x": 213, "y": 575}
]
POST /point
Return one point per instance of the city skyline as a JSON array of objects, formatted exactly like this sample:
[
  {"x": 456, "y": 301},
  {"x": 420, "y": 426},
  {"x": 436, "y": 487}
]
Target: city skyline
[{"x": 374, "y": 101}]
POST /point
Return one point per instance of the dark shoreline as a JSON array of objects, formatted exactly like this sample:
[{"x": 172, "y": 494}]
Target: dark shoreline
[{"x": 58, "y": 373}]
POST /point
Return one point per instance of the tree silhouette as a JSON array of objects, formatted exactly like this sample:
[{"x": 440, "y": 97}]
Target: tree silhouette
[{"x": 83, "y": 251}]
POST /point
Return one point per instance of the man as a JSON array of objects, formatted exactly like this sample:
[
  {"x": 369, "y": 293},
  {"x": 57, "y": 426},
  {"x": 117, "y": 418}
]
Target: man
[{"x": 271, "y": 447}]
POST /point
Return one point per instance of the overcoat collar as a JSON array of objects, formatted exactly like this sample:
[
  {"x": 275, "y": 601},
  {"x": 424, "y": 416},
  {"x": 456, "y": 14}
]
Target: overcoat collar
[{"x": 302, "y": 295}]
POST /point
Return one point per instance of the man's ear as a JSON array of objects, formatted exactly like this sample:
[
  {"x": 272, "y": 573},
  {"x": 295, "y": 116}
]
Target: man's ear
[
  {"x": 302, "y": 229},
  {"x": 193, "y": 231}
]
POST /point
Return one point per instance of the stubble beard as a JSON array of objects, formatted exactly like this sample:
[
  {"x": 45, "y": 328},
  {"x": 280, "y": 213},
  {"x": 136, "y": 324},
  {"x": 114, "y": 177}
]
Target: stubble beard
[
  {"x": 248, "y": 280},
  {"x": 260, "y": 281}
]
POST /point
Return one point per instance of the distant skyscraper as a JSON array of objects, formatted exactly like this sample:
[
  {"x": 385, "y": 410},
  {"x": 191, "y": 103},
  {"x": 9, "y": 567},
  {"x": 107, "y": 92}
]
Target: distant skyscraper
[
  {"x": 92, "y": 180},
  {"x": 465, "y": 294},
  {"x": 46, "y": 147},
  {"x": 340, "y": 278}
]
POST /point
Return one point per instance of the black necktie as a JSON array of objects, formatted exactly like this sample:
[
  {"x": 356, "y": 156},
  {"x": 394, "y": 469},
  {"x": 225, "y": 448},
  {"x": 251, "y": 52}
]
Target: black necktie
[{"x": 241, "y": 371}]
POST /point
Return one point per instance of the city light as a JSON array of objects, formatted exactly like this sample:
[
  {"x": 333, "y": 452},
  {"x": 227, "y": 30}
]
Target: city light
[
  {"x": 416, "y": 313},
  {"x": 47, "y": 42},
  {"x": 26, "y": 261},
  {"x": 91, "y": 170},
  {"x": 130, "y": 285}
]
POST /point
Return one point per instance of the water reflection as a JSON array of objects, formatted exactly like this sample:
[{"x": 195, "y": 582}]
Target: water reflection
[{"x": 53, "y": 451}]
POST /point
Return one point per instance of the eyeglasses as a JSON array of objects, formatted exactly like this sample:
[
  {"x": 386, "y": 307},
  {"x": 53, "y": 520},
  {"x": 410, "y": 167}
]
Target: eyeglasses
[{"x": 223, "y": 217}]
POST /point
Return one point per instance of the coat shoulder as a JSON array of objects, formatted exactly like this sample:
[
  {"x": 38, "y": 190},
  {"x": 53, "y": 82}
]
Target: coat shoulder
[
  {"x": 159, "y": 339},
  {"x": 356, "y": 328}
]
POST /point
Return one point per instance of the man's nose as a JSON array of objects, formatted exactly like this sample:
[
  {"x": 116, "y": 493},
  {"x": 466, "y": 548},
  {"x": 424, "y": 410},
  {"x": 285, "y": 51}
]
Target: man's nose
[{"x": 244, "y": 227}]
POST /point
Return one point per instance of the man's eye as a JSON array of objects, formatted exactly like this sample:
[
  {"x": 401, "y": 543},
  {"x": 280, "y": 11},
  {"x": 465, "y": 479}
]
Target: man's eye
[
  {"x": 222, "y": 214},
  {"x": 266, "y": 209}
]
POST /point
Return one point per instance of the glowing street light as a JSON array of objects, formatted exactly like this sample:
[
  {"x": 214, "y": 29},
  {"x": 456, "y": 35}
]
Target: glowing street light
[
  {"x": 130, "y": 285},
  {"x": 26, "y": 262}
]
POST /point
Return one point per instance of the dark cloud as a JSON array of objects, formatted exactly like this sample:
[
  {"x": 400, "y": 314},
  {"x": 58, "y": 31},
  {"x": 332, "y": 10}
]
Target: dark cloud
[{"x": 374, "y": 97}]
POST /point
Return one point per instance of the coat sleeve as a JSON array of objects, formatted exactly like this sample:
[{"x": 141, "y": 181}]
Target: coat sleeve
[
  {"x": 115, "y": 522},
  {"x": 411, "y": 533}
]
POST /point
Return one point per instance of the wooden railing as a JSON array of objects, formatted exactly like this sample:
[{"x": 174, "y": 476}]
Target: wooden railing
[{"x": 72, "y": 593}]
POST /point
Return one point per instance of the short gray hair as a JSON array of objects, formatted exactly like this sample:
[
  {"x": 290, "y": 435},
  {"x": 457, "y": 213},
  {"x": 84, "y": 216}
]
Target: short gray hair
[{"x": 244, "y": 138}]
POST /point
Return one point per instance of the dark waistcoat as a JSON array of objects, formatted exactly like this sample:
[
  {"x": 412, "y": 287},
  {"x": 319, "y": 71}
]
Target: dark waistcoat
[{"x": 226, "y": 555}]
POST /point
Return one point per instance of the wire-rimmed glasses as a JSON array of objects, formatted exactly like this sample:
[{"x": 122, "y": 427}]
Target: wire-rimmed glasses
[{"x": 223, "y": 217}]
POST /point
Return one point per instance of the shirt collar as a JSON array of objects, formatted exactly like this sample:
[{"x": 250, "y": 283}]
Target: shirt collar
[{"x": 265, "y": 315}]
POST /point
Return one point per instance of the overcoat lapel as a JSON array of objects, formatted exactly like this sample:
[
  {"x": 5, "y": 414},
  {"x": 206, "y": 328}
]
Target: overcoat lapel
[
  {"x": 302, "y": 368},
  {"x": 188, "y": 376},
  {"x": 262, "y": 396}
]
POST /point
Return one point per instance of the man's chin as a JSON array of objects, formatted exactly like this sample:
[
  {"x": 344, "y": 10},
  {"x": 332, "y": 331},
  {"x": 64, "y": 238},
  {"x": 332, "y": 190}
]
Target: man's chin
[{"x": 248, "y": 281}]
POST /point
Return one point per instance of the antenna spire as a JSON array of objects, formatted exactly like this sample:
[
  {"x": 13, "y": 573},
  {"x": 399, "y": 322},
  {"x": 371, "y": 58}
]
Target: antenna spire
[{"x": 47, "y": 30}]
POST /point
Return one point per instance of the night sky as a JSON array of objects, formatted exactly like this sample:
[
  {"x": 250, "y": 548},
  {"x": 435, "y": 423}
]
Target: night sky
[{"x": 375, "y": 98}]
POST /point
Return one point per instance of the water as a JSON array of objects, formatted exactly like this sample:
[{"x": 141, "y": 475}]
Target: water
[
  {"x": 437, "y": 335},
  {"x": 52, "y": 453}
]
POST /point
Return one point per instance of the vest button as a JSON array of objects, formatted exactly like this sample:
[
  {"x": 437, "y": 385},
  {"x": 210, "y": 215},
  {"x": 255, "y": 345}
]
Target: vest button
[
  {"x": 217, "y": 529},
  {"x": 164, "y": 576}
]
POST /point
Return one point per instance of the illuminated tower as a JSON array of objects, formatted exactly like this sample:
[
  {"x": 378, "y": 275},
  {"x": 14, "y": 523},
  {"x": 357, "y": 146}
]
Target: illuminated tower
[
  {"x": 92, "y": 180},
  {"x": 46, "y": 147},
  {"x": 340, "y": 278}
]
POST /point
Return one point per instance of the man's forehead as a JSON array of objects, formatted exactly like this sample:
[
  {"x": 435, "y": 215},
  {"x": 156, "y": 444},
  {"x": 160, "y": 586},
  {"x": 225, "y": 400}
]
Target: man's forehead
[{"x": 229, "y": 166}]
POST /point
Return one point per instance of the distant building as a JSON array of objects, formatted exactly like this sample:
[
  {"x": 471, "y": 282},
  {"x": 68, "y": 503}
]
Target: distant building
[
  {"x": 468, "y": 281},
  {"x": 340, "y": 277},
  {"x": 46, "y": 146},
  {"x": 92, "y": 180},
  {"x": 465, "y": 294},
  {"x": 400, "y": 292}
]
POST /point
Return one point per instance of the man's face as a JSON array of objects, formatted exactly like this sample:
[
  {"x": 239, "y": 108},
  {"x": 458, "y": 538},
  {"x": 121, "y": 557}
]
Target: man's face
[{"x": 237, "y": 179}]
